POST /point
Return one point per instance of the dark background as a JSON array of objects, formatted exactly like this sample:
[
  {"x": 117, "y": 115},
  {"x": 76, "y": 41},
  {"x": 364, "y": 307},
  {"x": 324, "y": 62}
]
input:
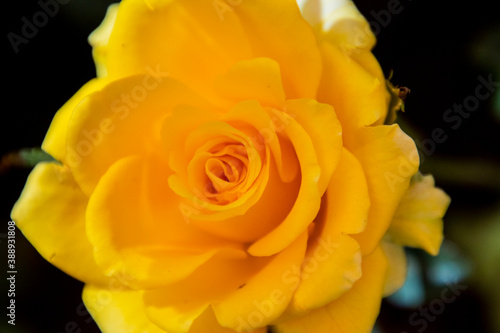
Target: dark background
[{"x": 436, "y": 48}]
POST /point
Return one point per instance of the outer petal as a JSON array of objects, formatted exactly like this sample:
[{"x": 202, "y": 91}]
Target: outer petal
[
  {"x": 358, "y": 97},
  {"x": 367, "y": 60},
  {"x": 339, "y": 22},
  {"x": 55, "y": 139},
  {"x": 276, "y": 29},
  {"x": 118, "y": 311},
  {"x": 132, "y": 107},
  {"x": 333, "y": 259},
  {"x": 99, "y": 39},
  {"x": 418, "y": 219},
  {"x": 51, "y": 214},
  {"x": 396, "y": 270},
  {"x": 389, "y": 158},
  {"x": 354, "y": 312},
  {"x": 191, "y": 42},
  {"x": 199, "y": 40}
]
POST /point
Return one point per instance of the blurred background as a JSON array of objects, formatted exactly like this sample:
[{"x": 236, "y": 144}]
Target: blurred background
[{"x": 441, "y": 50}]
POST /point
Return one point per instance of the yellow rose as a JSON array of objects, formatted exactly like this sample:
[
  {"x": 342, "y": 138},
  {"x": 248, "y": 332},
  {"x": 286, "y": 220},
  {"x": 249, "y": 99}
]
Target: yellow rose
[{"x": 230, "y": 170}]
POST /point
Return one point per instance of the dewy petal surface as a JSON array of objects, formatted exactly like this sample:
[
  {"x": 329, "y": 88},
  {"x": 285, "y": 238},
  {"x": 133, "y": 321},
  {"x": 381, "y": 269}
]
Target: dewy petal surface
[
  {"x": 51, "y": 214},
  {"x": 354, "y": 312}
]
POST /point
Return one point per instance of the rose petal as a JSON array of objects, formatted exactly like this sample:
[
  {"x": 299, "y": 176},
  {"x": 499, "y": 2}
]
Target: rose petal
[
  {"x": 176, "y": 128},
  {"x": 389, "y": 158},
  {"x": 367, "y": 60},
  {"x": 358, "y": 97},
  {"x": 118, "y": 310},
  {"x": 418, "y": 221},
  {"x": 354, "y": 312},
  {"x": 396, "y": 267},
  {"x": 275, "y": 202},
  {"x": 192, "y": 185},
  {"x": 99, "y": 39},
  {"x": 340, "y": 23},
  {"x": 55, "y": 139},
  {"x": 265, "y": 296},
  {"x": 175, "y": 308},
  {"x": 104, "y": 121},
  {"x": 258, "y": 79},
  {"x": 321, "y": 123},
  {"x": 208, "y": 323},
  {"x": 201, "y": 142},
  {"x": 308, "y": 199},
  {"x": 331, "y": 266},
  {"x": 256, "y": 212},
  {"x": 333, "y": 259},
  {"x": 346, "y": 204},
  {"x": 137, "y": 229},
  {"x": 51, "y": 214},
  {"x": 277, "y": 30},
  {"x": 192, "y": 43}
]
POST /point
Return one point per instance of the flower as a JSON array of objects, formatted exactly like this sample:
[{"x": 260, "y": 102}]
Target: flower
[{"x": 230, "y": 169}]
